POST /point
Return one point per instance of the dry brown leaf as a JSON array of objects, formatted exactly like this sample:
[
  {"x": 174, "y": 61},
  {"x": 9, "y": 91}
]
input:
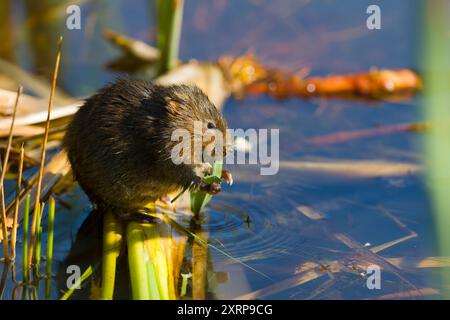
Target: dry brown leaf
[
  {"x": 207, "y": 76},
  {"x": 23, "y": 131}
]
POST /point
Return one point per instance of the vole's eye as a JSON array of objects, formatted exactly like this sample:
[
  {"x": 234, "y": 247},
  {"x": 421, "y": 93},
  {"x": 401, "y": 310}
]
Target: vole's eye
[{"x": 211, "y": 125}]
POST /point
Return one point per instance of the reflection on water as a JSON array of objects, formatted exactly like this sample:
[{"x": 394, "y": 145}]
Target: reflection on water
[{"x": 265, "y": 231}]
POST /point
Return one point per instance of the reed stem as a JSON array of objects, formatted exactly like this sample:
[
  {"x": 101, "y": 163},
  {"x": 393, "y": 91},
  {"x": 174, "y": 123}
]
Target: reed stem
[
  {"x": 2, "y": 177},
  {"x": 157, "y": 262},
  {"x": 86, "y": 274},
  {"x": 137, "y": 260},
  {"x": 49, "y": 253},
  {"x": 26, "y": 217},
  {"x": 437, "y": 112},
  {"x": 112, "y": 241},
  {"x": 199, "y": 198},
  {"x": 170, "y": 17},
  {"x": 16, "y": 205},
  {"x": 37, "y": 251},
  {"x": 35, "y": 221}
]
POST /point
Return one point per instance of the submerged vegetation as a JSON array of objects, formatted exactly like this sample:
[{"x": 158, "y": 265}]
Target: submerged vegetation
[{"x": 172, "y": 258}]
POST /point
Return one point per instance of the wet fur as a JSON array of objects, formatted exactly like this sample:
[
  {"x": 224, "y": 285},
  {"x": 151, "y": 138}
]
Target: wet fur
[{"x": 119, "y": 142}]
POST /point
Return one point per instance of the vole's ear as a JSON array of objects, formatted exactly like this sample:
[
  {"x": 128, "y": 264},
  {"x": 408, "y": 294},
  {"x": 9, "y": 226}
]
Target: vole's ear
[{"x": 172, "y": 104}]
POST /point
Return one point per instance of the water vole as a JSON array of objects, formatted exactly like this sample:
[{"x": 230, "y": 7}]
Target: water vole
[{"x": 119, "y": 142}]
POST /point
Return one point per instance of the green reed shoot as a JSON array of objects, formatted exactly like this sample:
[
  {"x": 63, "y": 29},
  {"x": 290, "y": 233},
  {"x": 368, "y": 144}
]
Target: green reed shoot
[
  {"x": 37, "y": 249},
  {"x": 437, "y": 112},
  {"x": 152, "y": 281},
  {"x": 157, "y": 261},
  {"x": 49, "y": 252},
  {"x": 16, "y": 205},
  {"x": 86, "y": 274},
  {"x": 150, "y": 261},
  {"x": 137, "y": 258},
  {"x": 199, "y": 198},
  {"x": 26, "y": 217},
  {"x": 184, "y": 282},
  {"x": 170, "y": 17},
  {"x": 112, "y": 241}
]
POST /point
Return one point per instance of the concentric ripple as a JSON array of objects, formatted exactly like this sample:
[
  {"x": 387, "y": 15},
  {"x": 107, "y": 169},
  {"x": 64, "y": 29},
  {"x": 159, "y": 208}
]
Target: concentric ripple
[{"x": 250, "y": 230}]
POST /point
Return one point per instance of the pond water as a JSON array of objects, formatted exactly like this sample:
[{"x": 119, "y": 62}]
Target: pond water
[{"x": 259, "y": 220}]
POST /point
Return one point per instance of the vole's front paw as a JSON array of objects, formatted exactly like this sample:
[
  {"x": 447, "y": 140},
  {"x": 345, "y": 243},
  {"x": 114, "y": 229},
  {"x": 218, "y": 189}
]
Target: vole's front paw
[{"x": 210, "y": 188}]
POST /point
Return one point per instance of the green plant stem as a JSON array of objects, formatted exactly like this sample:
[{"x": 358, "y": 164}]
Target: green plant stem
[
  {"x": 437, "y": 111},
  {"x": 137, "y": 260},
  {"x": 152, "y": 281},
  {"x": 184, "y": 283},
  {"x": 170, "y": 17},
  {"x": 26, "y": 218},
  {"x": 16, "y": 205},
  {"x": 49, "y": 253},
  {"x": 78, "y": 283},
  {"x": 199, "y": 199},
  {"x": 112, "y": 240},
  {"x": 37, "y": 251},
  {"x": 158, "y": 259}
]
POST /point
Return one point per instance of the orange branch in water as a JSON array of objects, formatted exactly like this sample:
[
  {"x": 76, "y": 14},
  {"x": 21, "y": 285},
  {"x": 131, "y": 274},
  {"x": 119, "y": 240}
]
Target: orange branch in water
[{"x": 247, "y": 76}]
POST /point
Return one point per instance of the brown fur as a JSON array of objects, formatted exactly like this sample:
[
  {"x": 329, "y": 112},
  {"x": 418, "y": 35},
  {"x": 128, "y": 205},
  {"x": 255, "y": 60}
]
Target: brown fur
[{"x": 119, "y": 142}]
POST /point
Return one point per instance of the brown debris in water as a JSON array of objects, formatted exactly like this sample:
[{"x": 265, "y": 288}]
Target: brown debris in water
[{"x": 248, "y": 76}]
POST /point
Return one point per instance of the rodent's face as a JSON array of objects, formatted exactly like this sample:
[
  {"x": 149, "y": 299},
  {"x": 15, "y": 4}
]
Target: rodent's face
[
  {"x": 215, "y": 139},
  {"x": 191, "y": 109}
]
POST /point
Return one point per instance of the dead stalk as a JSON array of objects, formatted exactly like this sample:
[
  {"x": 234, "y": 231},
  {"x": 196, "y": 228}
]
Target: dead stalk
[
  {"x": 2, "y": 177},
  {"x": 35, "y": 221},
  {"x": 16, "y": 205}
]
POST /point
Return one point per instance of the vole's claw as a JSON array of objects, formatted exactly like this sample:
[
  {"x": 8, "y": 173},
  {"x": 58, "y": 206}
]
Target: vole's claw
[{"x": 227, "y": 177}]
